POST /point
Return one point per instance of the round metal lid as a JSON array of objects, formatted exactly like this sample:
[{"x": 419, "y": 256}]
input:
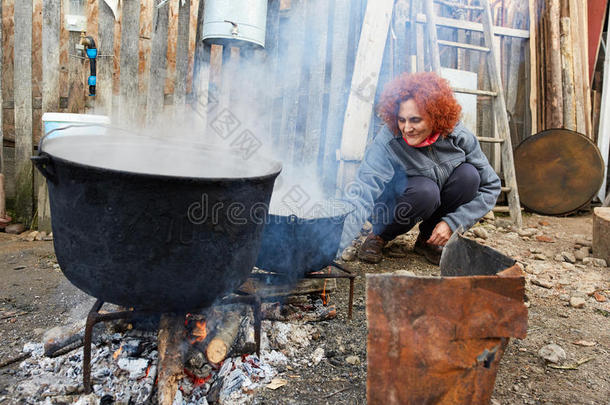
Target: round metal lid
[{"x": 558, "y": 171}]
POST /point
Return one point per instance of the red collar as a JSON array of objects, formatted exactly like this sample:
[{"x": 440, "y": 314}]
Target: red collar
[{"x": 426, "y": 142}]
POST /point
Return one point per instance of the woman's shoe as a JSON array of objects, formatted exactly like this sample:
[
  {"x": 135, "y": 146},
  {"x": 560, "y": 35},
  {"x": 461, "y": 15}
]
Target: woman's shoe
[
  {"x": 371, "y": 250},
  {"x": 432, "y": 253}
]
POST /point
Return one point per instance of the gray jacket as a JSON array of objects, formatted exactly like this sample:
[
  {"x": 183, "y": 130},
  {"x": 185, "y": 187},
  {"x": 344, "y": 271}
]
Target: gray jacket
[{"x": 387, "y": 154}]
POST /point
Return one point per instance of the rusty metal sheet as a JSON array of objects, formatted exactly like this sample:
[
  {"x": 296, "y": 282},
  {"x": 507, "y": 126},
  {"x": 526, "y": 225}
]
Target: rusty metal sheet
[
  {"x": 440, "y": 340},
  {"x": 558, "y": 171}
]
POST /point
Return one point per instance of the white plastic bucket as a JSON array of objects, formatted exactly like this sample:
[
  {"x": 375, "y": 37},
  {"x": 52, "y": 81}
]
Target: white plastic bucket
[{"x": 61, "y": 124}]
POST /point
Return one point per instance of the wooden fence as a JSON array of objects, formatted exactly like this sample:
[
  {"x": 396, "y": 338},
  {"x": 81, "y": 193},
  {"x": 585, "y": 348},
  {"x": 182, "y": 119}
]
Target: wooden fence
[{"x": 151, "y": 60}]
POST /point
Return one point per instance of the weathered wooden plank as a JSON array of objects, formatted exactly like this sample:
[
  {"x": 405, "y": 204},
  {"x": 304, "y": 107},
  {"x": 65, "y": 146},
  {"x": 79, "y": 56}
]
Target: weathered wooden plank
[
  {"x": 201, "y": 73},
  {"x": 147, "y": 12},
  {"x": 76, "y": 75},
  {"x": 364, "y": 80},
  {"x": 22, "y": 85},
  {"x": 577, "y": 68},
  {"x": 50, "y": 90},
  {"x": 432, "y": 36},
  {"x": 317, "y": 18},
  {"x": 182, "y": 55},
  {"x": 338, "y": 92},
  {"x": 105, "y": 60},
  {"x": 156, "y": 81},
  {"x": 8, "y": 39},
  {"x": 130, "y": 30},
  {"x": 293, "y": 40},
  {"x": 581, "y": 11},
  {"x": 271, "y": 61},
  {"x": 567, "y": 73},
  {"x": 2, "y": 167},
  {"x": 401, "y": 54},
  {"x": 499, "y": 106}
]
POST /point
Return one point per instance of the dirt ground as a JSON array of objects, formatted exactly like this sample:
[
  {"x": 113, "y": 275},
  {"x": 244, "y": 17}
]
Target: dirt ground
[{"x": 35, "y": 296}]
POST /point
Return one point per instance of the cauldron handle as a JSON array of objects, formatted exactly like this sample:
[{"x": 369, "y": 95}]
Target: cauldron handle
[{"x": 44, "y": 164}]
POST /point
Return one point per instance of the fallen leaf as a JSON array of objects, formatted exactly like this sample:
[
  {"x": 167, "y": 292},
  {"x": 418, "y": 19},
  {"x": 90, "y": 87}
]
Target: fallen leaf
[
  {"x": 544, "y": 238},
  {"x": 599, "y": 297},
  {"x": 276, "y": 383},
  {"x": 585, "y": 343}
]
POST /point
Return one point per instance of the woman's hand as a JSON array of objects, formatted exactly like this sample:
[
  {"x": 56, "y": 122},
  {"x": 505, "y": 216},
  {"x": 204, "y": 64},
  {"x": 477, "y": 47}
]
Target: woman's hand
[{"x": 441, "y": 234}]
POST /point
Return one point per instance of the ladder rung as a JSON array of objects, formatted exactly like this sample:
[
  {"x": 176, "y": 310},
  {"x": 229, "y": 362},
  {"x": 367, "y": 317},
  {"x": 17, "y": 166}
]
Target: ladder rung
[
  {"x": 502, "y": 208},
  {"x": 505, "y": 189},
  {"x": 463, "y": 45},
  {"x": 477, "y": 92},
  {"x": 455, "y": 4},
  {"x": 490, "y": 139}
]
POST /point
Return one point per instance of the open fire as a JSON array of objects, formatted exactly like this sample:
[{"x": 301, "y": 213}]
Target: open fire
[{"x": 217, "y": 351}]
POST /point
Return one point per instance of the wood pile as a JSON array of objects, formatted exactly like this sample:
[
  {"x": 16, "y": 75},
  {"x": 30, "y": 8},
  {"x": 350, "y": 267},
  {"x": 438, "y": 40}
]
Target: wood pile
[{"x": 560, "y": 90}]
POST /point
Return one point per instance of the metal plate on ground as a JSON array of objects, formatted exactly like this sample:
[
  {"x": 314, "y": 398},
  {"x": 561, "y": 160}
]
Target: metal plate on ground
[{"x": 558, "y": 171}]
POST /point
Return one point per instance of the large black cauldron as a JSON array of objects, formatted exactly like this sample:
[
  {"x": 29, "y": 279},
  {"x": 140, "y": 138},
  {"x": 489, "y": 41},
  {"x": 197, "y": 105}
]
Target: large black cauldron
[{"x": 151, "y": 225}]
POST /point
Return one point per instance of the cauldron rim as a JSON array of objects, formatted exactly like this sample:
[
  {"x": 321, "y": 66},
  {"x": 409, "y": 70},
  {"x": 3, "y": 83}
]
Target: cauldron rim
[{"x": 277, "y": 168}]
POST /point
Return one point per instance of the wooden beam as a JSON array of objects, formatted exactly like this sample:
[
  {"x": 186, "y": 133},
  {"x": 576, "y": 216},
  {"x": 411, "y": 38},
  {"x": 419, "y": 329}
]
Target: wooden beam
[
  {"x": 128, "y": 89},
  {"x": 567, "y": 74},
  {"x": 432, "y": 36},
  {"x": 158, "y": 60},
  {"x": 533, "y": 66},
  {"x": 317, "y": 23},
  {"x": 182, "y": 56},
  {"x": 76, "y": 75},
  {"x": 22, "y": 84},
  {"x": 554, "y": 99},
  {"x": 105, "y": 61},
  {"x": 364, "y": 80},
  {"x": 50, "y": 90},
  {"x": 338, "y": 91},
  {"x": 201, "y": 73},
  {"x": 291, "y": 78}
]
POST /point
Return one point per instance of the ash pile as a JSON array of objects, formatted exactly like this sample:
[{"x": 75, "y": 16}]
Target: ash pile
[{"x": 128, "y": 365}]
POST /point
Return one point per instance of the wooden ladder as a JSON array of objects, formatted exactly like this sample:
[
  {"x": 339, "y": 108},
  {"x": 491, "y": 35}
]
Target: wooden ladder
[{"x": 502, "y": 133}]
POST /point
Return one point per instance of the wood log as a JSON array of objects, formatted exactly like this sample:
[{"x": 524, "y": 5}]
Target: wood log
[
  {"x": 59, "y": 337},
  {"x": 601, "y": 233},
  {"x": 226, "y": 333},
  {"x": 567, "y": 73},
  {"x": 171, "y": 364},
  {"x": 554, "y": 102},
  {"x": 274, "y": 291}
]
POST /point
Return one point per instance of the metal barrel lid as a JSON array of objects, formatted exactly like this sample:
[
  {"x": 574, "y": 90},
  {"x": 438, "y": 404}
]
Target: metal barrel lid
[{"x": 558, "y": 171}]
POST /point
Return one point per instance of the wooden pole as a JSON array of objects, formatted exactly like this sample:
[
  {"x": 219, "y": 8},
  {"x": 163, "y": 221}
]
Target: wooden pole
[
  {"x": 22, "y": 84},
  {"x": 554, "y": 101},
  {"x": 577, "y": 62},
  {"x": 50, "y": 90},
  {"x": 567, "y": 73},
  {"x": 158, "y": 65},
  {"x": 533, "y": 66},
  {"x": 130, "y": 33},
  {"x": 182, "y": 56}
]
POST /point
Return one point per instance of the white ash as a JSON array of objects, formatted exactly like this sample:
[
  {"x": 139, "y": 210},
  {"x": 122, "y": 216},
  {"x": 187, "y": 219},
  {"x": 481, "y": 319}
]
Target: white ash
[{"x": 124, "y": 368}]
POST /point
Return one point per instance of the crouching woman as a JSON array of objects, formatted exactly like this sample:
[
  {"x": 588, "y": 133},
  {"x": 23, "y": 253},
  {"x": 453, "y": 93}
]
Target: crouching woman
[{"x": 423, "y": 165}]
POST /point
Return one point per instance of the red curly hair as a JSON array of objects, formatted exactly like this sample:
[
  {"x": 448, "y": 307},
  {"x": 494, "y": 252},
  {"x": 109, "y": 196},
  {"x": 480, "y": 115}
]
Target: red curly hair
[{"x": 432, "y": 95}]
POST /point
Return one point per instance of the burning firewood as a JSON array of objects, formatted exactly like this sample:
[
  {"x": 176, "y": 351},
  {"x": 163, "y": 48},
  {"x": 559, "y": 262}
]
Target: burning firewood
[
  {"x": 171, "y": 365},
  {"x": 226, "y": 333}
]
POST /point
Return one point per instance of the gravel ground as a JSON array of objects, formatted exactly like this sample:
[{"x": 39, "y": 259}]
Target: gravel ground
[{"x": 35, "y": 289}]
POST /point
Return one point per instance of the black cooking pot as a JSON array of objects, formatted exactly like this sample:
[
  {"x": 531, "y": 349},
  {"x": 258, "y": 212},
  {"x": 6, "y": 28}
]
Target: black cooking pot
[
  {"x": 294, "y": 246},
  {"x": 153, "y": 225}
]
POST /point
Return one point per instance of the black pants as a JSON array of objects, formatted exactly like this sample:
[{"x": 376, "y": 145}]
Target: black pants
[{"x": 423, "y": 201}]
